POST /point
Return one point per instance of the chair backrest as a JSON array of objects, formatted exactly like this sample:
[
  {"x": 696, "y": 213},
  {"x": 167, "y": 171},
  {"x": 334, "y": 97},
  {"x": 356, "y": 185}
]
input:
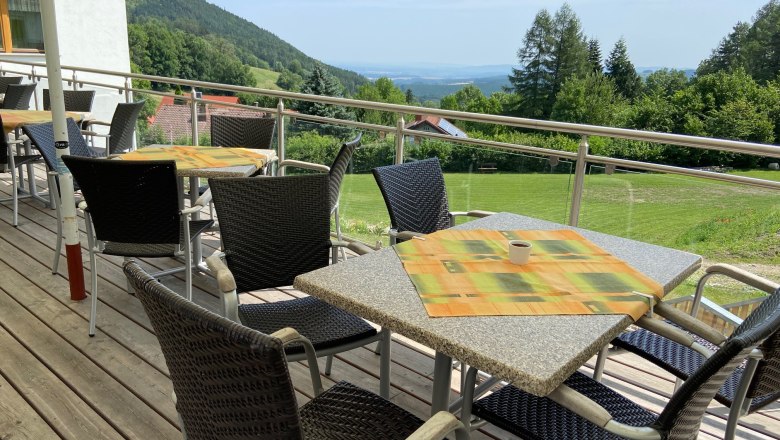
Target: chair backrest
[
  {"x": 75, "y": 100},
  {"x": 415, "y": 195},
  {"x": 682, "y": 416},
  {"x": 239, "y": 131},
  {"x": 17, "y": 96},
  {"x": 339, "y": 168},
  {"x": 42, "y": 137},
  {"x": 230, "y": 381},
  {"x": 766, "y": 379},
  {"x": 123, "y": 126},
  {"x": 130, "y": 201},
  {"x": 6, "y": 80},
  {"x": 273, "y": 228}
]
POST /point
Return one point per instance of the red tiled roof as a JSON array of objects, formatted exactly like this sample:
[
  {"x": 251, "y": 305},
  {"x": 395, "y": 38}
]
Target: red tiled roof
[{"x": 168, "y": 100}]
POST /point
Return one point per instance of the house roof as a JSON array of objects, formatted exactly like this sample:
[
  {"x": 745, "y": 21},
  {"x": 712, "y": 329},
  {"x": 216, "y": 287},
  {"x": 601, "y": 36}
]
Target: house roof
[
  {"x": 168, "y": 100},
  {"x": 438, "y": 124}
]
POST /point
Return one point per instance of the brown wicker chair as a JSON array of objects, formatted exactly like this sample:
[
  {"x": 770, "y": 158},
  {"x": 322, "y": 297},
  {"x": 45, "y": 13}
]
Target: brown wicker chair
[
  {"x": 121, "y": 130},
  {"x": 232, "y": 382},
  {"x": 274, "y": 229}
]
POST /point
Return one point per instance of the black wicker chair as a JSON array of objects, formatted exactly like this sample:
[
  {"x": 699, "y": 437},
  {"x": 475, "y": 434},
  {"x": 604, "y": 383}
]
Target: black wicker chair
[
  {"x": 585, "y": 408},
  {"x": 232, "y": 382},
  {"x": 5, "y": 81},
  {"x": 245, "y": 132},
  {"x": 17, "y": 96},
  {"x": 75, "y": 100},
  {"x": 273, "y": 229},
  {"x": 416, "y": 198},
  {"x": 13, "y": 163},
  {"x": 42, "y": 138},
  {"x": 750, "y": 387},
  {"x": 121, "y": 129},
  {"x": 335, "y": 172},
  {"x": 134, "y": 208}
]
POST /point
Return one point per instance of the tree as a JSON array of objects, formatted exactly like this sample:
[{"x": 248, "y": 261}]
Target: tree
[
  {"x": 554, "y": 50},
  {"x": 382, "y": 90},
  {"x": 322, "y": 83},
  {"x": 665, "y": 82},
  {"x": 533, "y": 81},
  {"x": 594, "y": 56},
  {"x": 621, "y": 70},
  {"x": 730, "y": 53},
  {"x": 591, "y": 99},
  {"x": 410, "y": 98},
  {"x": 289, "y": 81}
]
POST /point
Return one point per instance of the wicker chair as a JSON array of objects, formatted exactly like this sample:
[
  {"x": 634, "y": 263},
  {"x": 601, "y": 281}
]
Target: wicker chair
[
  {"x": 42, "y": 138},
  {"x": 121, "y": 129},
  {"x": 17, "y": 96},
  {"x": 335, "y": 172},
  {"x": 13, "y": 163},
  {"x": 5, "y": 81},
  {"x": 750, "y": 387},
  {"x": 232, "y": 382},
  {"x": 245, "y": 132},
  {"x": 134, "y": 207},
  {"x": 273, "y": 229},
  {"x": 75, "y": 100},
  {"x": 585, "y": 408},
  {"x": 416, "y": 198}
]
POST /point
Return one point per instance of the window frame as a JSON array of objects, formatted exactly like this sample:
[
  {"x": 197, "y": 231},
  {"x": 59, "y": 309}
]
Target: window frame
[{"x": 5, "y": 31}]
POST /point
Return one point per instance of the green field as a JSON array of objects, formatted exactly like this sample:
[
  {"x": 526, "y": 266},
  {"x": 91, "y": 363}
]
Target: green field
[
  {"x": 266, "y": 79},
  {"x": 721, "y": 222}
]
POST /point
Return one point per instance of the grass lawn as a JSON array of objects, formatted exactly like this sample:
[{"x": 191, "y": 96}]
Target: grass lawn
[
  {"x": 722, "y": 222},
  {"x": 266, "y": 79}
]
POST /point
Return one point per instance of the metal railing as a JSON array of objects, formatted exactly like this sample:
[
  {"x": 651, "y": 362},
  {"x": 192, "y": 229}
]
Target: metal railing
[{"x": 582, "y": 158}]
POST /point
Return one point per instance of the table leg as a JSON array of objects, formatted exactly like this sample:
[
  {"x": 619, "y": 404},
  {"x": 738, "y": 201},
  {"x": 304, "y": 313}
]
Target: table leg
[
  {"x": 197, "y": 251},
  {"x": 442, "y": 376}
]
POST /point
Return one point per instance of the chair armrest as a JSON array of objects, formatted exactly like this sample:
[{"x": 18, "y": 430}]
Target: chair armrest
[
  {"x": 673, "y": 334},
  {"x": 94, "y": 133},
  {"x": 586, "y": 408},
  {"x": 689, "y": 323},
  {"x": 438, "y": 426},
  {"x": 359, "y": 248},
  {"x": 199, "y": 204},
  {"x": 304, "y": 165},
  {"x": 407, "y": 235},
  {"x": 225, "y": 279},
  {"x": 289, "y": 335},
  {"x": 90, "y": 122},
  {"x": 744, "y": 277},
  {"x": 475, "y": 213}
]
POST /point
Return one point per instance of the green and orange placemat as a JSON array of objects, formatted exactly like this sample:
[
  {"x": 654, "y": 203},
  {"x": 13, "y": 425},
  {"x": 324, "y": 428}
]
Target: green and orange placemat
[
  {"x": 191, "y": 157},
  {"x": 468, "y": 273}
]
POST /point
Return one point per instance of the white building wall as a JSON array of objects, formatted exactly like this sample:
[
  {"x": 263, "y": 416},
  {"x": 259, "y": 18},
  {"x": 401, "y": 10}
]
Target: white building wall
[{"x": 93, "y": 34}]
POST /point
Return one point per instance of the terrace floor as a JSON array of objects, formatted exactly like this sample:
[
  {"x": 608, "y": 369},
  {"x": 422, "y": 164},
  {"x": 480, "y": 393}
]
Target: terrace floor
[{"x": 56, "y": 382}]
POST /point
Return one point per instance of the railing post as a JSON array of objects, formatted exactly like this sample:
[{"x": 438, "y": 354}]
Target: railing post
[
  {"x": 74, "y": 83},
  {"x": 194, "y": 112},
  {"x": 579, "y": 181},
  {"x": 126, "y": 89},
  {"x": 399, "y": 140},
  {"x": 35, "y": 91},
  {"x": 280, "y": 133}
]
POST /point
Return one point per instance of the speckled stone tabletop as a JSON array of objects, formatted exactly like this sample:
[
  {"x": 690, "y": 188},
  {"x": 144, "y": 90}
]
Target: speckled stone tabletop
[{"x": 536, "y": 353}]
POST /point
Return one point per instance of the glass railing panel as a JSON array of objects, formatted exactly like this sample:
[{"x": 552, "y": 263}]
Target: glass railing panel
[{"x": 723, "y": 222}]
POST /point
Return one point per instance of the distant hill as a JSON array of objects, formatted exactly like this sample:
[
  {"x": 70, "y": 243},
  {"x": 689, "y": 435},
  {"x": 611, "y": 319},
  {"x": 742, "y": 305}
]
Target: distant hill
[
  {"x": 256, "y": 47},
  {"x": 434, "y": 90}
]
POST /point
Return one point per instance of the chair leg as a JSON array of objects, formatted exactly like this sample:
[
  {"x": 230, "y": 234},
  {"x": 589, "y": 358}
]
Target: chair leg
[
  {"x": 384, "y": 365},
  {"x": 342, "y": 252},
  {"x": 328, "y": 364},
  {"x": 187, "y": 260},
  {"x": 15, "y": 195},
  {"x": 93, "y": 277},
  {"x": 598, "y": 370}
]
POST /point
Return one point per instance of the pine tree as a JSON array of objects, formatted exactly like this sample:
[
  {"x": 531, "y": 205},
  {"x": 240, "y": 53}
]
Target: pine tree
[
  {"x": 533, "y": 81},
  {"x": 570, "y": 50},
  {"x": 594, "y": 56},
  {"x": 321, "y": 82},
  {"x": 730, "y": 53},
  {"x": 621, "y": 70}
]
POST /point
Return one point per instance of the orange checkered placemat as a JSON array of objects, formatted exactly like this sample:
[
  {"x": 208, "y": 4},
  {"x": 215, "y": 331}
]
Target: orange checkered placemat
[
  {"x": 468, "y": 273},
  {"x": 190, "y": 157},
  {"x": 15, "y": 118}
]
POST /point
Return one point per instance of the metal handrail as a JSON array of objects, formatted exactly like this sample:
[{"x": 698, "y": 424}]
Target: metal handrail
[{"x": 581, "y": 158}]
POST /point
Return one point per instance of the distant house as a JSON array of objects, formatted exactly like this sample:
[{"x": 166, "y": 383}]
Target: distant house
[
  {"x": 435, "y": 124},
  {"x": 174, "y": 116}
]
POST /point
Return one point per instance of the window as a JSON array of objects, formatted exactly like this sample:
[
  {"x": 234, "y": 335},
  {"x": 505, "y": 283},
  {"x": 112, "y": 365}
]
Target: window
[{"x": 20, "y": 23}]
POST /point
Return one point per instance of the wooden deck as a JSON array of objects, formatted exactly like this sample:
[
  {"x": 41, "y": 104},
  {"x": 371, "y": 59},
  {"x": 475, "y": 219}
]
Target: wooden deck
[{"x": 56, "y": 382}]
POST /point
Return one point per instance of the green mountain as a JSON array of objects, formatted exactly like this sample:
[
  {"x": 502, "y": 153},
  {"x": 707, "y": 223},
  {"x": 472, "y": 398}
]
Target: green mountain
[{"x": 254, "y": 46}]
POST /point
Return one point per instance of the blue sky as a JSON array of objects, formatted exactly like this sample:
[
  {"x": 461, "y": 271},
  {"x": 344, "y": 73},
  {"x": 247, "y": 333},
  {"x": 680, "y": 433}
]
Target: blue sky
[{"x": 670, "y": 33}]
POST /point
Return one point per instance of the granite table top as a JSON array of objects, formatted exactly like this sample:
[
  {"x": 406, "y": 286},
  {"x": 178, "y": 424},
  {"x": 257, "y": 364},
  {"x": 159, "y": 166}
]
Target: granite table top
[{"x": 536, "y": 353}]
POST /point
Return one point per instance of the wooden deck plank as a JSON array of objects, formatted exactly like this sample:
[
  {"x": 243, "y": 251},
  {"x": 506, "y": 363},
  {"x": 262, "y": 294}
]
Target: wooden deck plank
[{"x": 18, "y": 420}]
